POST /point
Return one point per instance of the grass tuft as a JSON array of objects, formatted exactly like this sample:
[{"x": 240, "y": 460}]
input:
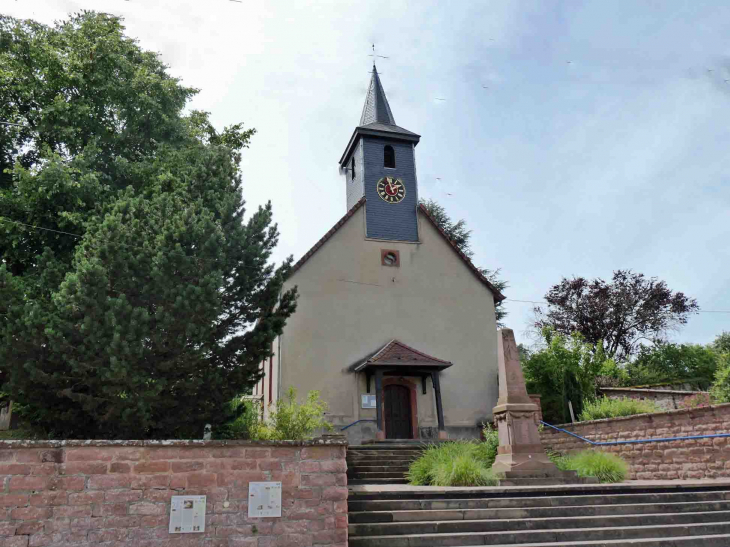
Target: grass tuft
[
  {"x": 605, "y": 466},
  {"x": 459, "y": 463},
  {"x": 615, "y": 408}
]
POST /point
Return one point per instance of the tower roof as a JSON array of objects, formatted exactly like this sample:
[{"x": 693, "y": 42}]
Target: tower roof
[
  {"x": 377, "y": 119},
  {"x": 376, "y": 109}
]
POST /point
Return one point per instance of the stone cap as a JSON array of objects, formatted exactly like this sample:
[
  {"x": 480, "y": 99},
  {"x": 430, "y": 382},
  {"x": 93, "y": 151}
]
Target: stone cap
[{"x": 24, "y": 443}]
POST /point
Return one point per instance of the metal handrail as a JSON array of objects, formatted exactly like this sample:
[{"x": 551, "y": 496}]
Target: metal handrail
[
  {"x": 639, "y": 441},
  {"x": 356, "y": 422}
]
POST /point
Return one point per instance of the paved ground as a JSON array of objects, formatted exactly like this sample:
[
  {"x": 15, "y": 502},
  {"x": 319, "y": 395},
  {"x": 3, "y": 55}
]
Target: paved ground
[{"x": 582, "y": 487}]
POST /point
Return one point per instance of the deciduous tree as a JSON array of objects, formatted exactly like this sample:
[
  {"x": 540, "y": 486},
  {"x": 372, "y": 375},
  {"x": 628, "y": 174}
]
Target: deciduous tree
[
  {"x": 138, "y": 298},
  {"x": 623, "y": 313}
]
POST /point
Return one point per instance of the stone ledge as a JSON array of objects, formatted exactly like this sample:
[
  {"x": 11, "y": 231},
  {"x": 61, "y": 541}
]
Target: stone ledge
[
  {"x": 24, "y": 443},
  {"x": 651, "y": 415}
]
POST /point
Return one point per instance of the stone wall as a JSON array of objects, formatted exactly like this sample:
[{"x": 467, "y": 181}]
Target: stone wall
[
  {"x": 117, "y": 493},
  {"x": 692, "y": 459},
  {"x": 665, "y": 399}
]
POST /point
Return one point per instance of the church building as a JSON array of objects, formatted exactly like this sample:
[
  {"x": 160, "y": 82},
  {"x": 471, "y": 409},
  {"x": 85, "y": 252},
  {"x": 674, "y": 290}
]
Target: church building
[{"x": 394, "y": 325}]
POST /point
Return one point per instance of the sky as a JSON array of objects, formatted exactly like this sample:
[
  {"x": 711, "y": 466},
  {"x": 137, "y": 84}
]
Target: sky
[{"x": 575, "y": 137}]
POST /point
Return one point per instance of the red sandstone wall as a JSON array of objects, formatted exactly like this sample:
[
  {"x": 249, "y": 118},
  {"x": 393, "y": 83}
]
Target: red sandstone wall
[
  {"x": 118, "y": 493},
  {"x": 695, "y": 459}
]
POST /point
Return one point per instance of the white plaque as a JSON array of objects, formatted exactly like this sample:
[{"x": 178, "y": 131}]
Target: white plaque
[
  {"x": 187, "y": 514},
  {"x": 368, "y": 401},
  {"x": 264, "y": 499}
]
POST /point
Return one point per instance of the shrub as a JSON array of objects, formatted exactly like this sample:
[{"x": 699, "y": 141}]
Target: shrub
[
  {"x": 289, "y": 420},
  {"x": 490, "y": 445},
  {"x": 605, "y": 466},
  {"x": 459, "y": 463},
  {"x": 600, "y": 409},
  {"x": 293, "y": 421},
  {"x": 720, "y": 390}
]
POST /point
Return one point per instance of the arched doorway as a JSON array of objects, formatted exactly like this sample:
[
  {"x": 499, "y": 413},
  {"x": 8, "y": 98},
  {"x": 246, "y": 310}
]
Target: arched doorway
[{"x": 398, "y": 419}]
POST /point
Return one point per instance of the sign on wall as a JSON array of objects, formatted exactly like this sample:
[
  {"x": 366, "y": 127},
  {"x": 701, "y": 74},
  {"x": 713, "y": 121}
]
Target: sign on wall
[
  {"x": 187, "y": 514},
  {"x": 368, "y": 401},
  {"x": 264, "y": 499}
]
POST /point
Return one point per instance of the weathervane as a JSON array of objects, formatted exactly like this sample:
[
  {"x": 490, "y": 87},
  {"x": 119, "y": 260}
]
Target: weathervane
[{"x": 375, "y": 56}]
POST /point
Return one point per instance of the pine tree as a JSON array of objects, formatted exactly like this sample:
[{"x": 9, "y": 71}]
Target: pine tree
[{"x": 138, "y": 298}]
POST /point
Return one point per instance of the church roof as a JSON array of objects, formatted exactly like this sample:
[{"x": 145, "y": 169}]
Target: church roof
[
  {"x": 377, "y": 119},
  {"x": 397, "y": 354},
  {"x": 498, "y": 296}
]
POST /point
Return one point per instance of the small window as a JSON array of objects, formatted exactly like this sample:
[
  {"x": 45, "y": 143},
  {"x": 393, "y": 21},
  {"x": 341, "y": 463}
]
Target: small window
[
  {"x": 389, "y": 257},
  {"x": 352, "y": 167},
  {"x": 389, "y": 157}
]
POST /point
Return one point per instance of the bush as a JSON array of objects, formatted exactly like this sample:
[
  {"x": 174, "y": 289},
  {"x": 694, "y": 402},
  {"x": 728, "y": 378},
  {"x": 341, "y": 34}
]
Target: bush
[
  {"x": 673, "y": 363},
  {"x": 288, "y": 421},
  {"x": 459, "y": 463},
  {"x": 600, "y": 409},
  {"x": 720, "y": 390},
  {"x": 605, "y": 466},
  {"x": 490, "y": 444}
]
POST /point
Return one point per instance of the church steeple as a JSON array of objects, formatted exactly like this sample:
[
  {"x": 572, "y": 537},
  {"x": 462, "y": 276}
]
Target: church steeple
[
  {"x": 376, "y": 109},
  {"x": 379, "y": 164}
]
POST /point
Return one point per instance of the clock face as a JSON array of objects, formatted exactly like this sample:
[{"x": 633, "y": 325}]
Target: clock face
[{"x": 391, "y": 189}]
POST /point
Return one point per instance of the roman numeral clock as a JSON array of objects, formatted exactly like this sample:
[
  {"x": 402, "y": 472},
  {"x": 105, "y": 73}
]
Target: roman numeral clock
[{"x": 391, "y": 189}]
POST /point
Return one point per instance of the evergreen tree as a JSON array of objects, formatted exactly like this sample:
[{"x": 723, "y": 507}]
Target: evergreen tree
[
  {"x": 460, "y": 236},
  {"x": 136, "y": 300}
]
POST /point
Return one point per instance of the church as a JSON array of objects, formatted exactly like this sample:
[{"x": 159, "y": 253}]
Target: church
[{"x": 395, "y": 327}]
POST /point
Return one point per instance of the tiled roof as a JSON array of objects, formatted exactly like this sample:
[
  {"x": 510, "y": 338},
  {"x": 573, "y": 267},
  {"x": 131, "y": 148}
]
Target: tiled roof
[
  {"x": 498, "y": 296},
  {"x": 376, "y": 107},
  {"x": 387, "y": 128},
  {"x": 396, "y": 353}
]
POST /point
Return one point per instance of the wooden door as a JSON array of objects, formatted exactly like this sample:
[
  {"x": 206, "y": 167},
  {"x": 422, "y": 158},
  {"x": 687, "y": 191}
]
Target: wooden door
[{"x": 397, "y": 412}]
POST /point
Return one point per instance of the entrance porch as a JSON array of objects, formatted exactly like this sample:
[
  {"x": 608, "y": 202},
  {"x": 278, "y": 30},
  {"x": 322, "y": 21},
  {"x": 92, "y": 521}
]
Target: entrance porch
[{"x": 395, "y": 369}]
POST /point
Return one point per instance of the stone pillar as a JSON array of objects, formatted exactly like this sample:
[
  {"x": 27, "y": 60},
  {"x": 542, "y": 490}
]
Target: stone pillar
[
  {"x": 380, "y": 435},
  {"x": 439, "y": 404},
  {"x": 520, "y": 448}
]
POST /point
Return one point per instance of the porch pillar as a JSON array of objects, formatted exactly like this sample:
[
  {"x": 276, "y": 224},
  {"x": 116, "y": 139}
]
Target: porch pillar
[
  {"x": 439, "y": 405},
  {"x": 380, "y": 435}
]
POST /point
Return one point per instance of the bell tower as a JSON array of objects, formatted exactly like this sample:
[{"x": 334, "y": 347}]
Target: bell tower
[{"x": 379, "y": 163}]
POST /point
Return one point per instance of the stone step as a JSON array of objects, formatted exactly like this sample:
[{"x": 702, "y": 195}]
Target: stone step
[
  {"x": 537, "y": 512},
  {"x": 376, "y": 468},
  {"x": 553, "y": 481},
  {"x": 378, "y": 475},
  {"x": 599, "y": 535},
  {"x": 400, "y": 480},
  {"x": 722, "y": 540},
  {"x": 358, "y": 502},
  {"x": 533, "y": 524},
  {"x": 382, "y": 455}
]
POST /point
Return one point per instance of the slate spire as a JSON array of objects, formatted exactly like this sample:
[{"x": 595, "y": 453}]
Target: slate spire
[{"x": 376, "y": 109}]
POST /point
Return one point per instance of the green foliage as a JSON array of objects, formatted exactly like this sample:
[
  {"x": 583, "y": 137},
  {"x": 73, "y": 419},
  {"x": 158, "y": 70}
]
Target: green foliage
[
  {"x": 720, "y": 390},
  {"x": 247, "y": 423},
  {"x": 605, "y": 466},
  {"x": 460, "y": 236},
  {"x": 721, "y": 344},
  {"x": 289, "y": 420},
  {"x": 165, "y": 297},
  {"x": 600, "y": 409},
  {"x": 620, "y": 314},
  {"x": 667, "y": 363},
  {"x": 565, "y": 370},
  {"x": 459, "y": 463},
  {"x": 490, "y": 444},
  {"x": 293, "y": 421}
]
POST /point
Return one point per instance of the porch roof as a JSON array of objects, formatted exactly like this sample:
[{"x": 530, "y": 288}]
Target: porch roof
[{"x": 397, "y": 355}]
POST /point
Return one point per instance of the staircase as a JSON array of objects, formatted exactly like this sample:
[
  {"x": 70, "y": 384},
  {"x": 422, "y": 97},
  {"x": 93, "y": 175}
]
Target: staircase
[
  {"x": 578, "y": 516},
  {"x": 381, "y": 463}
]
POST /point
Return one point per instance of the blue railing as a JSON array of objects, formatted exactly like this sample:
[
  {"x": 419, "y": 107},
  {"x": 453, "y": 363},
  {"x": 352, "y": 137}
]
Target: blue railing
[
  {"x": 639, "y": 441},
  {"x": 357, "y": 422}
]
